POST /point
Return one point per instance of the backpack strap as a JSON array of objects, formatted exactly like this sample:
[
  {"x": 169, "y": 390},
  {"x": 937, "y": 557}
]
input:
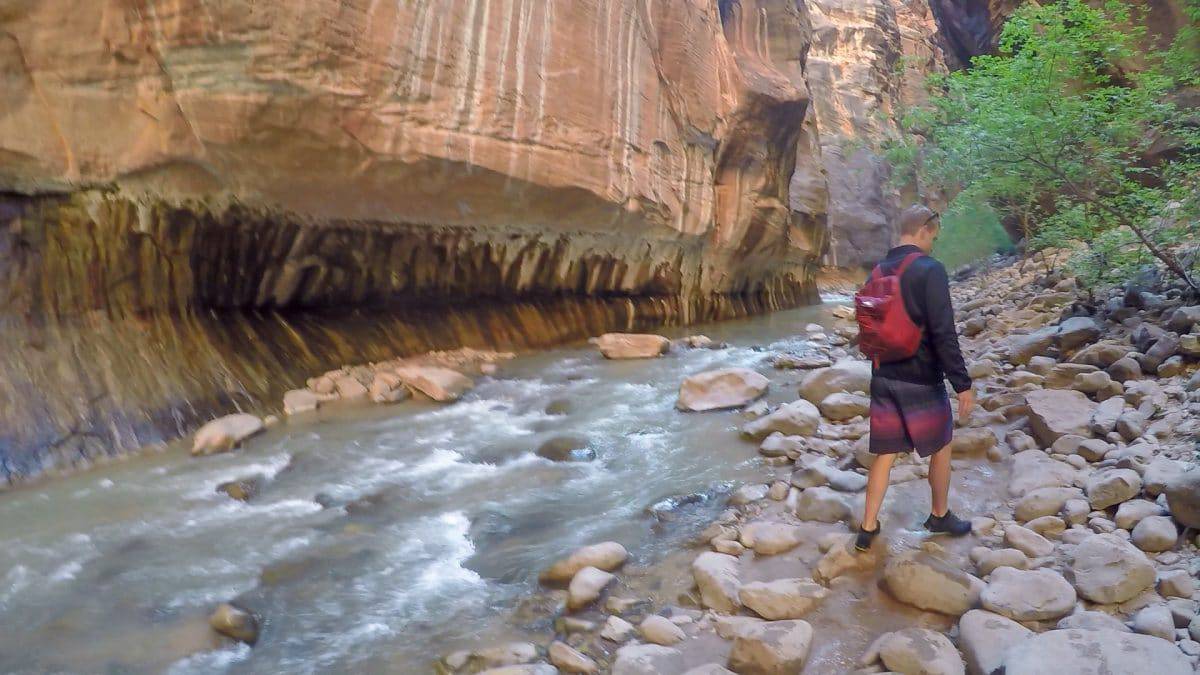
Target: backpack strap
[
  {"x": 908, "y": 260},
  {"x": 876, "y": 273}
]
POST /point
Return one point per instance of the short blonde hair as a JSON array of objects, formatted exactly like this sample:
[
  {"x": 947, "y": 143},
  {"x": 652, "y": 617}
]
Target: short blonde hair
[{"x": 914, "y": 218}]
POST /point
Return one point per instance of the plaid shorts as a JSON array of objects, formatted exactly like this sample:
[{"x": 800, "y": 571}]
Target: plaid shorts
[{"x": 907, "y": 416}]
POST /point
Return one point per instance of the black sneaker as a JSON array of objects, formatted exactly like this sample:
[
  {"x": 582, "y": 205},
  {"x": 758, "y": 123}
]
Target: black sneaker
[
  {"x": 948, "y": 524},
  {"x": 865, "y": 538}
]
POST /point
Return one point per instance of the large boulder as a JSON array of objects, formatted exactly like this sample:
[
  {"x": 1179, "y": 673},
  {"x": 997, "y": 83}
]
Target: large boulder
[
  {"x": 1028, "y": 595},
  {"x": 920, "y": 651},
  {"x": 771, "y": 648},
  {"x": 1108, "y": 569},
  {"x": 920, "y": 579},
  {"x": 587, "y": 585},
  {"x": 1076, "y": 332},
  {"x": 843, "y": 406},
  {"x": 985, "y": 636},
  {"x": 782, "y": 598},
  {"x": 1183, "y": 497},
  {"x": 1047, "y": 501},
  {"x": 1184, "y": 318},
  {"x": 716, "y": 575},
  {"x": 1155, "y": 534},
  {"x": 1033, "y": 469},
  {"x": 974, "y": 442},
  {"x": 439, "y": 384},
  {"x": 1022, "y": 348},
  {"x": 225, "y": 433},
  {"x": 847, "y": 375},
  {"x": 798, "y": 418},
  {"x": 767, "y": 538},
  {"x": 719, "y": 389},
  {"x": 606, "y": 556},
  {"x": 1112, "y": 486},
  {"x": 1054, "y": 413},
  {"x": 823, "y": 505},
  {"x": 632, "y": 345},
  {"x": 1058, "y": 652},
  {"x": 645, "y": 659}
]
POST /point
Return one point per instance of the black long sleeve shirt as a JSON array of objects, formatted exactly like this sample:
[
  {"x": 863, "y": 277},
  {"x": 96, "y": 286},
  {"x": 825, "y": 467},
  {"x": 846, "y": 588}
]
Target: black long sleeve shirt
[{"x": 926, "y": 291}]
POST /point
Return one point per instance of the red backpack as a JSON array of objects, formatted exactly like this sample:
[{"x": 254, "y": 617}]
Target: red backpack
[{"x": 885, "y": 330}]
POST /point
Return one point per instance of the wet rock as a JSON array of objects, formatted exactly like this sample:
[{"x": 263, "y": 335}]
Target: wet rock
[
  {"x": 1054, "y": 413},
  {"x": 522, "y": 669},
  {"x": 225, "y": 433},
  {"x": 566, "y": 449},
  {"x": 920, "y": 650},
  {"x": 1155, "y": 534},
  {"x": 770, "y": 538},
  {"x": 1176, "y": 584},
  {"x": 1080, "y": 651},
  {"x": 823, "y": 505},
  {"x": 716, "y": 575},
  {"x": 748, "y": 494},
  {"x": 798, "y": 418},
  {"x": 1107, "y": 569},
  {"x": 559, "y": 407},
  {"x": 771, "y": 648},
  {"x": 617, "y": 629},
  {"x": 1091, "y": 620},
  {"x": 1183, "y": 497},
  {"x": 1034, "y": 469},
  {"x": 510, "y": 654},
  {"x": 1109, "y": 487},
  {"x": 1003, "y": 557},
  {"x": 387, "y": 387},
  {"x": 844, "y": 406},
  {"x": 1046, "y": 501},
  {"x": 632, "y": 345},
  {"x": 985, "y": 636},
  {"x": 779, "y": 445},
  {"x": 847, "y": 375},
  {"x": 569, "y": 660},
  {"x": 606, "y": 556},
  {"x": 1028, "y": 595},
  {"x": 299, "y": 401},
  {"x": 587, "y": 585},
  {"x": 243, "y": 489},
  {"x": 235, "y": 623},
  {"x": 920, "y": 579},
  {"x": 782, "y": 598},
  {"x": 801, "y": 362},
  {"x": 973, "y": 442},
  {"x": 721, "y": 389},
  {"x": 1130, "y": 513},
  {"x": 1154, "y": 620},
  {"x": 440, "y": 384},
  {"x": 660, "y": 630}
]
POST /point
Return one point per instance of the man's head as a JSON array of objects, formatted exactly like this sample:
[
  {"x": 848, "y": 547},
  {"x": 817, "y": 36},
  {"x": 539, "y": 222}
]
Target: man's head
[{"x": 919, "y": 225}]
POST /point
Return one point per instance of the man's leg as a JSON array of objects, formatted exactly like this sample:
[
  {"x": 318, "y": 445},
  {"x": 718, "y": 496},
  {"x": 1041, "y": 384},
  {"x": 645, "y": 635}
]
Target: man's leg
[
  {"x": 877, "y": 485},
  {"x": 939, "y": 481}
]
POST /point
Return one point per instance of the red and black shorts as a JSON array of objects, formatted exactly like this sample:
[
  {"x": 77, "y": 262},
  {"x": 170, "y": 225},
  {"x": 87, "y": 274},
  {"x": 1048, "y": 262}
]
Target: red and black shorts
[{"x": 907, "y": 416}]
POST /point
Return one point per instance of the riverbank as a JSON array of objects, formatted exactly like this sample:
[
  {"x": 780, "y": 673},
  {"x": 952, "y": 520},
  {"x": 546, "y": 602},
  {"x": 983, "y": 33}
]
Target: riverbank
[{"x": 1079, "y": 472}]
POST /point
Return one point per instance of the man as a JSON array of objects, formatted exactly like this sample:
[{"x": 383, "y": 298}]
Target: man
[{"x": 910, "y": 409}]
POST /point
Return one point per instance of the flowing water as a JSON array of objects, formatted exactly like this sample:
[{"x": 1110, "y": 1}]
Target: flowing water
[{"x": 384, "y": 537}]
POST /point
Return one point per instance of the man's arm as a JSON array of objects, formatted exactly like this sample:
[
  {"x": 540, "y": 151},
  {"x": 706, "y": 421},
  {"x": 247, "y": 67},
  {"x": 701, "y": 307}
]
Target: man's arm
[{"x": 940, "y": 323}]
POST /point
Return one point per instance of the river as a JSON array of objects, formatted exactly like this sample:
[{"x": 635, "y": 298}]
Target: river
[{"x": 436, "y": 519}]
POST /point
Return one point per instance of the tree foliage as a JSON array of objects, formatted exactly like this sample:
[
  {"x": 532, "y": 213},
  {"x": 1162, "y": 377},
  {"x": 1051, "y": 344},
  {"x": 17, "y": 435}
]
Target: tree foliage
[{"x": 1071, "y": 131}]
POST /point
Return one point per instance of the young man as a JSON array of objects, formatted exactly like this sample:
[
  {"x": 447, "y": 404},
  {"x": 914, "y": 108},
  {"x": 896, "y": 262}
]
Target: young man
[{"x": 910, "y": 409}]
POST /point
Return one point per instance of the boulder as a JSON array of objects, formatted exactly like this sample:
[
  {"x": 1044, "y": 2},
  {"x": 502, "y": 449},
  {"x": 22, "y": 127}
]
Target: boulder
[
  {"x": 644, "y": 659},
  {"x": 569, "y": 660},
  {"x": 716, "y": 575},
  {"x": 1045, "y": 501},
  {"x": 1073, "y": 650},
  {"x": 1028, "y": 595},
  {"x": 440, "y": 384},
  {"x": 632, "y": 345},
  {"x": 919, "y": 651},
  {"x": 720, "y": 389},
  {"x": 1183, "y": 497},
  {"x": 1035, "y": 469},
  {"x": 771, "y": 648},
  {"x": 522, "y": 669},
  {"x": 801, "y": 361},
  {"x": 748, "y": 494},
  {"x": 243, "y": 489},
  {"x": 780, "y": 445},
  {"x": 235, "y": 623},
  {"x": 822, "y": 504},
  {"x": 843, "y": 406},
  {"x": 920, "y": 579},
  {"x": 847, "y": 375},
  {"x": 1022, "y": 348},
  {"x": 1131, "y": 425},
  {"x": 1002, "y": 557},
  {"x": 225, "y": 433},
  {"x": 1155, "y": 534},
  {"x": 1183, "y": 319},
  {"x": 1092, "y": 620},
  {"x": 1125, "y": 369},
  {"x": 617, "y": 629},
  {"x": 350, "y": 388},
  {"x": 782, "y": 598},
  {"x": 606, "y": 556},
  {"x": 1176, "y": 584},
  {"x": 1027, "y": 541},
  {"x": 1076, "y": 332},
  {"x": 1054, "y": 413},
  {"x": 297, "y": 401},
  {"x": 1160, "y": 473},
  {"x": 660, "y": 630},
  {"x": 1101, "y": 354},
  {"x": 973, "y": 442},
  {"x": 1109, "y": 487},
  {"x": 985, "y": 636},
  {"x": 767, "y": 538},
  {"x": 1154, "y": 620},
  {"x": 798, "y": 418},
  {"x": 1107, "y": 569},
  {"x": 587, "y": 585},
  {"x": 566, "y": 449},
  {"x": 1130, "y": 513},
  {"x": 1104, "y": 419}
]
